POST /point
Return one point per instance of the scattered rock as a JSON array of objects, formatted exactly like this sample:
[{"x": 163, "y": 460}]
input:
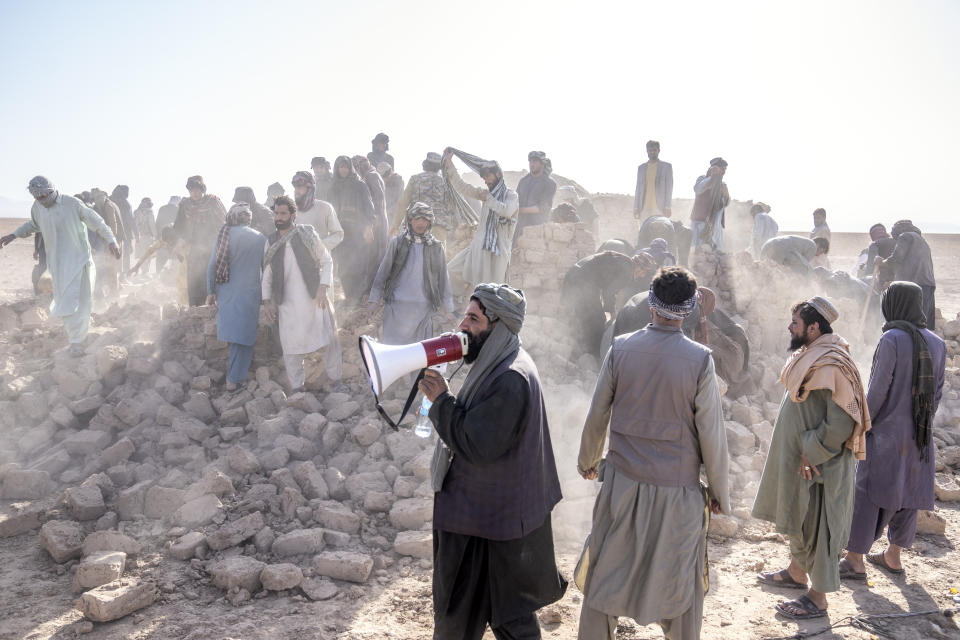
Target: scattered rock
[
  {"x": 319, "y": 588},
  {"x": 279, "y": 577},
  {"x": 116, "y": 599},
  {"x": 241, "y": 572},
  {"x": 931, "y": 523},
  {"x": 98, "y": 568},
  {"x": 234, "y": 533},
  {"x": 343, "y": 565},
  {"x": 85, "y": 503},
  {"x": 198, "y": 512},
  {"x": 110, "y": 541},
  {"x": 298, "y": 542},
  {"x": 418, "y": 544},
  {"x": 62, "y": 539}
]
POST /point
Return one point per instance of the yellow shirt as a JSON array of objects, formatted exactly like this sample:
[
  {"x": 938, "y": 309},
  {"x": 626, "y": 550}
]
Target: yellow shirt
[{"x": 650, "y": 190}]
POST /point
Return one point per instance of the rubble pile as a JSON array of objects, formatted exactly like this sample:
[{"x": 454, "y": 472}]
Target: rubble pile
[{"x": 134, "y": 451}]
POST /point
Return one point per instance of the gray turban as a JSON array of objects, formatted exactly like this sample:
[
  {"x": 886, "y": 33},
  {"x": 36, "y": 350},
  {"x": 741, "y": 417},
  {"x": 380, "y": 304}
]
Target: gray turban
[
  {"x": 40, "y": 186},
  {"x": 502, "y": 302}
]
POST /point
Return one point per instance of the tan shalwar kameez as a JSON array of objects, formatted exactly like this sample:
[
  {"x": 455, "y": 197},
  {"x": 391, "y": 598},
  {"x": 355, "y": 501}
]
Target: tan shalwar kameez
[{"x": 645, "y": 555}]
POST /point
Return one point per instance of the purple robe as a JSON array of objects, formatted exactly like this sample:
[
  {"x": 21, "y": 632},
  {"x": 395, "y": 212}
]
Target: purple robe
[{"x": 893, "y": 476}]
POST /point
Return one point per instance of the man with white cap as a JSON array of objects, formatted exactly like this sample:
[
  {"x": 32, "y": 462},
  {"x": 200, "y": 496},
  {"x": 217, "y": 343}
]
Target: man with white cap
[
  {"x": 807, "y": 486},
  {"x": 63, "y": 220}
]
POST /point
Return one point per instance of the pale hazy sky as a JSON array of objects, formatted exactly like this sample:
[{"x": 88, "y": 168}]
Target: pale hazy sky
[{"x": 848, "y": 105}]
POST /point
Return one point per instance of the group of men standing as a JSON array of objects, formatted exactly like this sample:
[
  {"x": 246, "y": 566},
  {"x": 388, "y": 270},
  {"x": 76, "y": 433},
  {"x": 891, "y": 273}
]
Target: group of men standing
[{"x": 657, "y": 397}]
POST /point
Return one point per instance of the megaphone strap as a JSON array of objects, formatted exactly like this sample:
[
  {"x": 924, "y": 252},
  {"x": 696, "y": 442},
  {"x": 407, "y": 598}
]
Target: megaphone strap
[{"x": 406, "y": 406}]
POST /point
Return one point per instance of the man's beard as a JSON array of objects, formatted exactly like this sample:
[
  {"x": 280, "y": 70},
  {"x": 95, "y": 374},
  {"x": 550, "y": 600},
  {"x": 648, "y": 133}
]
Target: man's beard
[
  {"x": 282, "y": 226},
  {"x": 796, "y": 342},
  {"x": 474, "y": 344}
]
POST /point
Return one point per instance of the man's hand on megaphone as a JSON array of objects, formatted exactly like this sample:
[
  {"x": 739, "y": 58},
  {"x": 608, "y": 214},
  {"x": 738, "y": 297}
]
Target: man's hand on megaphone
[{"x": 433, "y": 385}]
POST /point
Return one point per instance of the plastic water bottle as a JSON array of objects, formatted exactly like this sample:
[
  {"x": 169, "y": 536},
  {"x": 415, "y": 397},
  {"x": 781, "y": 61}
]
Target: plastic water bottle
[{"x": 424, "y": 428}]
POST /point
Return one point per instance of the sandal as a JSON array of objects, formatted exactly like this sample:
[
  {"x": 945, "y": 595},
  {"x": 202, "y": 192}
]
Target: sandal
[
  {"x": 807, "y": 607},
  {"x": 785, "y": 579},
  {"x": 847, "y": 572},
  {"x": 880, "y": 559}
]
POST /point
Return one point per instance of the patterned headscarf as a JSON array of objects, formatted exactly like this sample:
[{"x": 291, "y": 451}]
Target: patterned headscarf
[
  {"x": 239, "y": 215},
  {"x": 305, "y": 178},
  {"x": 671, "y": 311}
]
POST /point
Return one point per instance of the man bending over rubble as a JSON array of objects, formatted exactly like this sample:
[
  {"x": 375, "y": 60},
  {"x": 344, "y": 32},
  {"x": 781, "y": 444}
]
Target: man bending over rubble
[{"x": 495, "y": 481}]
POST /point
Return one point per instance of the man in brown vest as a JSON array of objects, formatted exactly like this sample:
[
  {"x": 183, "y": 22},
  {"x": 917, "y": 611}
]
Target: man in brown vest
[
  {"x": 646, "y": 554},
  {"x": 495, "y": 481}
]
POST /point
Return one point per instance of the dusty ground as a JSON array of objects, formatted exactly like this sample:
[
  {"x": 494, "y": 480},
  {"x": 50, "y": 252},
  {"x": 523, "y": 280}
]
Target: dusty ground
[{"x": 396, "y": 604}]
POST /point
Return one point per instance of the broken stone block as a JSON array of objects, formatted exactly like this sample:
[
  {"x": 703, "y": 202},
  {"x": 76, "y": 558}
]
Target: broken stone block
[
  {"x": 199, "y": 407},
  {"x": 336, "y": 483},
  {"x": 282, "y": 479},
  {"x": 190, "y": 457},
  {"x": 723, "y": 526},
  {"x": 420, "y": 464},
  {"x": 291, "y": 500},
  {"x": 63, "y": 540},
  {"x": 946, "y": 488},
  {"x": 333, "y": 436},
  {"x": 411, "y": 513},
  {"x": 343, "y": 565},
  {"x": 275, "y": 459},
  {"x": 242, "y": 461},
  {"x": 336, "y": 538},
  {"x": 128, "y": 411},
  {"x": 279, "y": 577},
  {"x": 740, "y": 440},
  {"x": 130, "y": 501},
  {"x": 299, "y": 448},
  {"x": 116, "y": 453},
  {"x": 26, "y": 484},
  {"x": 263, "y": 541},
  {"x": 334, "y": 515},
  {"x": 319, "y": 588},
  {"x": 214, "y": 481},
  {"x": 298, "y": 542},
  {"x": 111, "y": 358},
  {"x": 242, "y": 572},
  {"x": 360, "y": 484},
  {"x": 405, "y": 486},
  {"x": 311, "y": 426},
  {"x": 107, "y": 521},
  {"x": 193, "y": 428},
  {"x": 366, "y": 432},
  {"x": 85, "y": 503},
  {"x": 13, "y": 522},
  {"x": 186, "y": 546},
  {"x": 98, "y": 568},
  {"x": 198, "y": 512},
  {"x": 418, "y": 544},
  {"x": 87, "y": 441},
  {"x": 378, "y": 501},
  {"x": 403, "y": 446},
  {"x": 62, "y": 417},
  {"x": 161, "y": 502},
  {"x": 931, "y": 523},
  {"x": 85, "y": 405},
  {"x": 110, "y": 541},
  {"x": 343, "y": 411},
  {"x": 311, "y": 481},
  {"x": 53, "y": 463},
  {"x": 116, "y": 599},
  {"x": 269, "y": 429},
  {"x": 33, "y": 405},
  {"x": 233, "y": 533},
  {"x": 304, "y": 401}
]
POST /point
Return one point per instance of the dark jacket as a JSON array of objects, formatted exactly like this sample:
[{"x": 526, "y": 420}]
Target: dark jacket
[{"x": 502, "y": 483}]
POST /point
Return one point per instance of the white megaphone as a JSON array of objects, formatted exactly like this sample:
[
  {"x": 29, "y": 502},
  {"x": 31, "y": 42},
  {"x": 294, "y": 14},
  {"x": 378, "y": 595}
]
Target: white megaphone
[{"x": 387, "y": 363}]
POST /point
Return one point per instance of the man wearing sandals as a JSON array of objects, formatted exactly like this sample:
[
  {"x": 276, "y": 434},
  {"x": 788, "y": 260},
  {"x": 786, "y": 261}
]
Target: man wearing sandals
[
  {"x": 807, "y": 484},
  {"x": 897, "y": 478}
]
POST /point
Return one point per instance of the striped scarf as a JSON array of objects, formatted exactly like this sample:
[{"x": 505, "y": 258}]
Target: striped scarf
[{"x": 239, "y": 215}]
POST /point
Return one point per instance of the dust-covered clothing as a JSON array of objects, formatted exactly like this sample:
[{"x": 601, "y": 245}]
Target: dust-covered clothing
[
  {"x": 764, "y": 228},
  {"x": 350, "y": 198},
  {"x": 476, "y": 264},
  {"x": 654, "y": 192},
  {"x": 198, "y": 223},
  {"x": 427, "y": 187},
  {"x": 64, "y": 227},
  {"x": 708, "y": 216},
  {"x": 913, "y": 262},
  {"x": 645, "y": 556},
  {"x": 393, "y": 189},
  {"x": 821, "y": 231},
  {"x": 535, "y": 191},
  {"x": 322, "y": 217},
  {"x": 795, "y": 252},
  {"x": 590, "y": 290}
]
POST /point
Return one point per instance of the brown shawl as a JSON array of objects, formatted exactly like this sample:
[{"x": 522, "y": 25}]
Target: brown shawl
[{"x": 826, "y": 364}]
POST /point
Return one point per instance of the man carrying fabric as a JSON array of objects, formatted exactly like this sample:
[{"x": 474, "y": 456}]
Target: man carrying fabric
[
  {"x": 764, "y": 227},
  {"x": 315, "y": 212},
  {"x": 912, "y": 262},
  {"x": 428, "y": 187},
  {"x": 297, "y": 276},
  {"x": 199, "y": 221},
  {"x": 487, "y": 257},
  {"x": 708, "y": 217},
  {"x": 495, "y": 481},
  {"x": 535, "y": 193},
  {"x": 646, "y": 554},
  {"x": 897, "y": 477},
  {"x": 412, "y": 281},
  {"x": 233, "y": 280},
  {"x": 63, "y": 220},
  {"x": 654, "y": 192},
  {"x": 808, "y": 479}
]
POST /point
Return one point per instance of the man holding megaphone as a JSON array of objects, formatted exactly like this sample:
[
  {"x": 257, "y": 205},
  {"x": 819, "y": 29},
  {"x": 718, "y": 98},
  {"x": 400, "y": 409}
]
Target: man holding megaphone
[{"x": 495, "y": 481}]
